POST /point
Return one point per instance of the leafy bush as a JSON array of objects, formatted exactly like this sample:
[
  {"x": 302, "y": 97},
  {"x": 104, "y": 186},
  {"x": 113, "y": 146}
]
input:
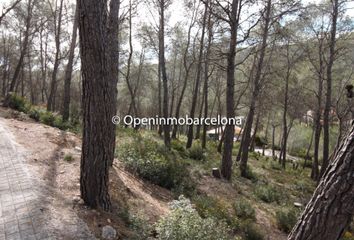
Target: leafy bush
[
  {"x": 307, "y": 165},
  {"x": 183, "y": 222},
  {"x": 252, "y": 232},
  {"x": 277, "y": 147},
  {"x": 153, "y": 162},
  {"x": 196, "y": 151},
  {"x": 59, "y": 123},
  {"x": 75, "y": 115},
  {"x": 244, "y": 210},
  {"x": 260, "y": 141},
  {"x": 18, "y": 103},
  {"x": 35, "y": 113},
  {"x": 178, "y": 146},
  {"x": 210, "y": 207},
  {"x": 142, "y": 229},
  {"x": 286, "y": 219},
  {"x": 300, "y": 152},
  {"x": 275, "y": 165},
  {"x": 50, "y": 119},
  {"x": 303, "y": 186},
  {"x": 47, "y": 118},
  {"x": 250, "y": 174},
  {"x": 267, "y": 193}
]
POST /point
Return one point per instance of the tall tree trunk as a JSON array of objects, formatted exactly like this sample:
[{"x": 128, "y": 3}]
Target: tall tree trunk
[
  {"x": 254, "y": 135},
  {"x": 226, "y": 161},
  {"x": 129, "y": 63},
  {"x": 327, "y": 110},
  {"x": 197, "y": 132},
  {"x": 266, "y": 134},
  {"x": 307, "y": 157},
  {"x": 137, "y": 85},
  {"x": 197, "y": 80},
  {"x": 30, "y": 80},
  {"x": 206, "y": 79},
  {"x": 317, "y": 123},
  {"x": 285, "y": 111},
  {"x": 173, "y": 88},
  {"x": 113, "y": 41},
  {"x": 57, "y": 30},
  {"x": 68, "y": 71},
  {"x": 99, "y": 88},
  {"x": 256, "y": 91},
  {"x": 23, "y": 75},
  {"x": 162, "y": 64},
  {"x": 5, "y": 68},
  {"x": 273, "y": 142},
  {"x": 331, "y": 208},
  {"x": 43, "y": 61},
  {"x": 160, "y": 130},
  {"x": 187, "y": 69},
  {"x": 24, "y": 47}
]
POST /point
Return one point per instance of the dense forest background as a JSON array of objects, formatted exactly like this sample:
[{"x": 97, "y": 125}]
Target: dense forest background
[{"x": 285, "y": 66}]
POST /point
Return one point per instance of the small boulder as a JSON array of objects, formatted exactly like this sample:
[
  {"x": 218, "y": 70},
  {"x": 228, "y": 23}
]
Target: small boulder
[{"x": 108, "y": 232}]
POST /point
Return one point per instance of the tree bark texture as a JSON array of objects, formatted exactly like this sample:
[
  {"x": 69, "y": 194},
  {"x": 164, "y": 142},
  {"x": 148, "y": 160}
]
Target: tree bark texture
[{"x": 331, "y": 208}]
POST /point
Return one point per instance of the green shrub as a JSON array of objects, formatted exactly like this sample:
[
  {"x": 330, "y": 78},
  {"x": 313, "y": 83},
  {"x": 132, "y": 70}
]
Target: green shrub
[
  {"x": 183, "y": 222},
  {"x": 47, "y": 118},
  {"x": 75, "y": 116},
  {"x": 142, "y": 229},
  {"x": 304, "y": 186},
  {"x": 286, "y": 219},
  {"x": 275, "y": 165},
  {"x": 307, "y": 165},
  {"x": 153, "y": 162},
  {"x": 177, "y": 145},
  {"x": 260, "y": 141},
  {"x": 300, "y": 152},
  {"x": 250, "y": 174},
  {"x": 244, "y": 210},
  {"x": 50, "y": 119},
  {"x": 276, "y": 147},
  {"x": 196, "y": 151},
  {"x": 211, "y": 207},
  {"x": 35, "y": 113},
  {"x": 267, "y": 193},
  {"x": 252, "y": 232},
  {"x": 18, "y": 103},
  {"x": 58, "y": 123}
]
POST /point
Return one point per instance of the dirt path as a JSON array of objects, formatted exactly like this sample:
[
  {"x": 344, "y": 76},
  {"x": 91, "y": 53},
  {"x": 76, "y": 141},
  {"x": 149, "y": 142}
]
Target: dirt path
[
  {"x": 30, "y": 208},
  {"x": 43, "y": 151}
]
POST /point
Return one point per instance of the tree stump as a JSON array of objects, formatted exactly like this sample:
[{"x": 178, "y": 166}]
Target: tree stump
[{"x": 216, "y": 173}]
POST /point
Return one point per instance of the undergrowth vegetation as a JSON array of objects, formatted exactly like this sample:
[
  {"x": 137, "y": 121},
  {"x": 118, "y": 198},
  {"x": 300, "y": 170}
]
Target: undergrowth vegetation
[
  {"x": 286, "y": 218},
  {"x": 184, "y": 222},
  {"x": 151, "y": 161},
  {"x": 41, "y": 115},
  {"x": 268, "y": 189}
]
